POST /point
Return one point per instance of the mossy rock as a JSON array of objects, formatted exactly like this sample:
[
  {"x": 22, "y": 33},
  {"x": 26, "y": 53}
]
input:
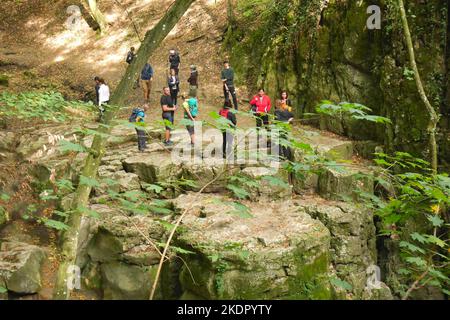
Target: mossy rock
[
  {"x": 4, "y": 80},
  {"x": 278, "y": 253}
]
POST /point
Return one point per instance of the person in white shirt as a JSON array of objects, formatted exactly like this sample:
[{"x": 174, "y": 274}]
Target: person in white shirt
[{"x": 103, "y": 96}]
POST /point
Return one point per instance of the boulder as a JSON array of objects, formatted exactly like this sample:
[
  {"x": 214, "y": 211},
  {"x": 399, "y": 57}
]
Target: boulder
[
  {"x": 20, "y": 266},
  {"x": 7, "y": 141},
  {"x": 121, "y": 237},
  {"x": 123, "y": 182},
  {"x": 273, "y": 183},
  {"x": 122, "y": 281},
  {"x": 353, "y": 242},
  {"x": 345, "y": 181},
  {"x": 331, "y": 147},
  {"x": 152, "y": 167},
  {"x": 273, "y": 251}
]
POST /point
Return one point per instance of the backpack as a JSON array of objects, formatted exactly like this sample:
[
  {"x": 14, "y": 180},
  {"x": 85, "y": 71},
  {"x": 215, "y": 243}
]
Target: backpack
[
  {"x": 193, "y": 107},
  {"x": 224, "y": 113},
  {"x": 134, "y": 115},
  {"x": 130, "y": 57},
  {"x": 147, "y": 72}
]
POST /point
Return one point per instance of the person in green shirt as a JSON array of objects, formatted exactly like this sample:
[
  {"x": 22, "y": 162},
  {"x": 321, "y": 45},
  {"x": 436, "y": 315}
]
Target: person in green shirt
[
  {"x": 190, "y": 107},
  {"x": 227, "y": 77}
]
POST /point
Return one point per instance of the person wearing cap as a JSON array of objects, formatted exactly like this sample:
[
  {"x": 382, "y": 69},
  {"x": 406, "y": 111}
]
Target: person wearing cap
[
  {"x": 193, "y": 81},
  {"x": 174, "y": 61}
]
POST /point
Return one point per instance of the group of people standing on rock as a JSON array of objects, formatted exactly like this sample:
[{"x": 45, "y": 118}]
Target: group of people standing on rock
[{"x": 261, "y": 105}]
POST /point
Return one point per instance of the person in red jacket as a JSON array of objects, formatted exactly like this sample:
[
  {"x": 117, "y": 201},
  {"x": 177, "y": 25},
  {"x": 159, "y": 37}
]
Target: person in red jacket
[{"x": 261, "y": 106}]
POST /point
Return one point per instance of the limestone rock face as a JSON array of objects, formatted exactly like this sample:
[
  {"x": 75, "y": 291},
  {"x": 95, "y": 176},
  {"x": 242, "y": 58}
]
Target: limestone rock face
[
  {"x": 122, "y": 237},
  {"x": 353, "y": 247},
  {"x": 122, "y": 281},
  {"x": 20, "y": 266},
  {"x": 272, "y": 183},
  {"x": 345, "y": 182},
  {"x": 275, "y": 250},
  {"x": 121, "y": 260},
  {"x": 152, "y": 167}
]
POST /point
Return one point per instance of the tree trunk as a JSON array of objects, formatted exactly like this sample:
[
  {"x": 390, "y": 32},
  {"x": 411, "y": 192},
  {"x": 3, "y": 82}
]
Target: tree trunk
[
  {"x": 434, "y": 116},
  {"x": 70, "y": 238},
  {"x": 96, "y": 14}
]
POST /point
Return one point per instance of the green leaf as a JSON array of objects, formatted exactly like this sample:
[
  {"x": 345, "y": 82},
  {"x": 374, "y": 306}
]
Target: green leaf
[
  {"x": 180, "y": 250},
  {"x": 411, "y": 247},
  {"x": 4, "y": 197},
  {"x": 417, "y": 261},
  {"x": 276, "y": 182},
  {"x": 153, "y": 187},
  {"x": 436, "y": 241},
  {"x": 435, "y": 220},
  {"x": 341, "y": 284},
  {"x": 3, "y": 290},
  {"x": 92, "y": 213},
  {"x": 89, "y": 182},
  {"x": 64, "y": 184},
  {"x": 56, "y": 224},
  {"x": 214, "y": 257},
  {"x": 238, "y": 191},
  {"x": 67, "y": 146},
  {"x": 168, "y": 226},
  {"x": 418, "y": 237},
  {"x": 240, "y": 210}
]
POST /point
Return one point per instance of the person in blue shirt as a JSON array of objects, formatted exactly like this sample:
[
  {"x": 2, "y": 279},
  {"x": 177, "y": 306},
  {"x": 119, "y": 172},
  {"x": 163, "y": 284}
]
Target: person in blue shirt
[{"x": 146, "y": 81}]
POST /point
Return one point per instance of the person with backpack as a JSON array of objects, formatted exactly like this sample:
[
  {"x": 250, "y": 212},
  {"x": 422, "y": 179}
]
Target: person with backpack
[
  {"x": 190, "y": 107},
  {"x": 138, "y": 117},
  {"x": 227, "y": 144},
  {"x": 284, "y": 115},
  {"x": 261, "y": 106},
  {"x": 174, "y": 61},
  {"x": 227, "y": 77},
  {"x": 146, "y": 80},
  {"x": 193, "y": 81},
  {"x": 103, "y": 96},
  {"x": 168, "y": 114},
  {"x": 174, "y": 84},
  {"x": 130, "y": 56}
]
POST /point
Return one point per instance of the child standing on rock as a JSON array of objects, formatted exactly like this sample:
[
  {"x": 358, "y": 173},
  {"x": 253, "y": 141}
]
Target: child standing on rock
[{"x": 138, "y": 117}]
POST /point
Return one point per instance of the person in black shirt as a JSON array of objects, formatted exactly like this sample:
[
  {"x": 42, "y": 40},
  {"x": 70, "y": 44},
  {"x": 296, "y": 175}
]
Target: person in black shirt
[
  {"x": 174, "y": 61},
  {"x": 227, "y": 144},
  {"x": 168, "y": 113},
  {"x": 193, "y": 81},
  {"x": 282, "y": 114},
  {"x": 227, "y": 77},
  {"x": 97, "y": 88}
]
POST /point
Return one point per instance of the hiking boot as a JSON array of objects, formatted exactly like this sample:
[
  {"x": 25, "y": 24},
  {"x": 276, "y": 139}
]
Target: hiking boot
[{"x": 168, "y": 143}]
